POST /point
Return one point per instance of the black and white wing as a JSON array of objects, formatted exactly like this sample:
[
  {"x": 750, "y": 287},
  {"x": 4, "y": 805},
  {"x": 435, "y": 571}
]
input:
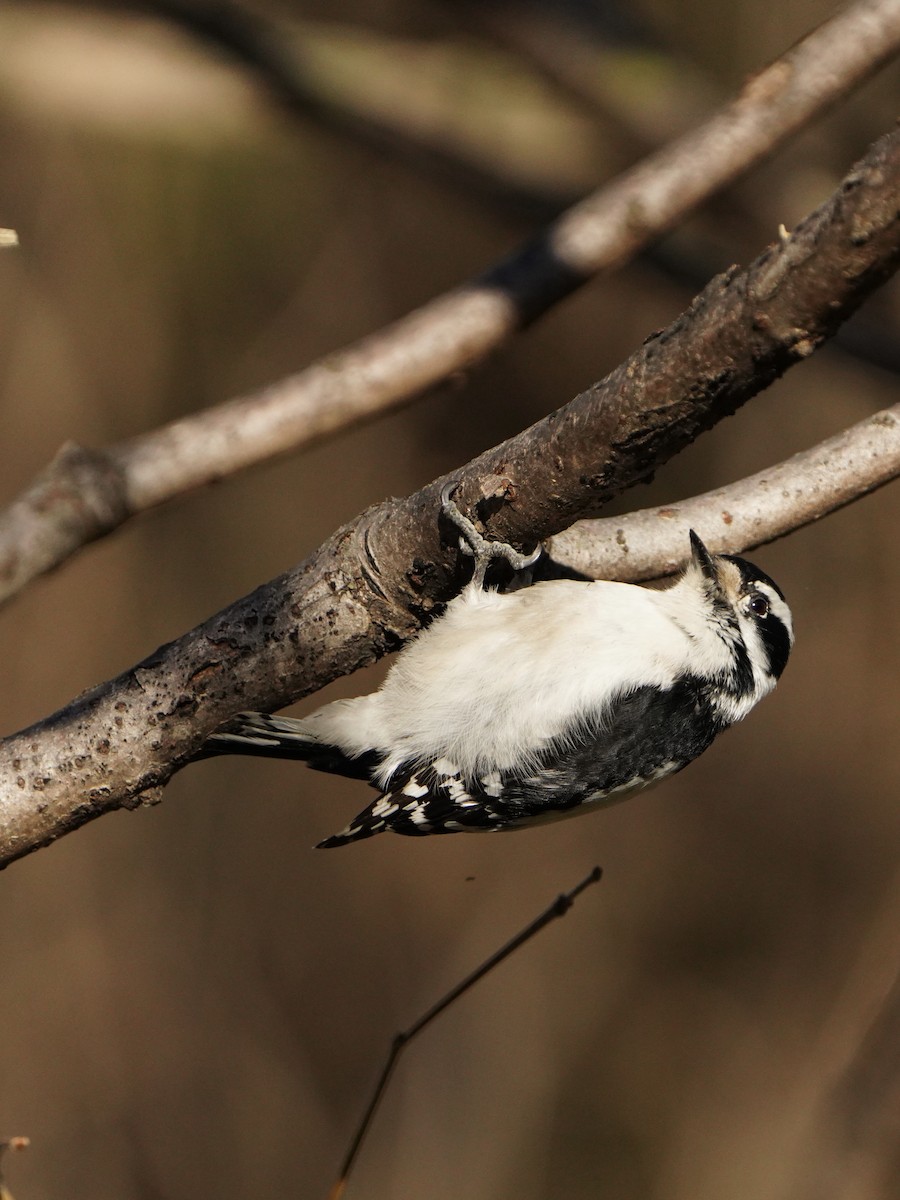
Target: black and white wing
[{"x": 642, "y": 737}]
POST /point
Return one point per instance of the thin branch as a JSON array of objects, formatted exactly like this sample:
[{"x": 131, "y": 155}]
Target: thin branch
[
  {"x": 376, "y": 580},
  {"x": 558, "y": 908},
  {"x": 85, "y": 494},
  {"x": 763, "y": 507}
]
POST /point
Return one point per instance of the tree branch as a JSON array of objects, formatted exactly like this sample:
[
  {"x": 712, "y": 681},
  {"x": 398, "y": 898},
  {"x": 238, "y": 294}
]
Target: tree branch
[
  {"x": 763, "y": 507},
  {"x": 374, "y": 582},
  {"x": 401, "y": 1040},
  {"x": 85, "y": 494}
]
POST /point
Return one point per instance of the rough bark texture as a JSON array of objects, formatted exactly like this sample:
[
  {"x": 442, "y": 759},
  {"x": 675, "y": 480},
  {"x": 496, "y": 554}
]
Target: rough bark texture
[{"x": 375, "y": 581}]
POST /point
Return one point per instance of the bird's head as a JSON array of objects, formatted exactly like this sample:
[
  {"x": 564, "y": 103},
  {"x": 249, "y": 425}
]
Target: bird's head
[{"x": 746, "y": 609}]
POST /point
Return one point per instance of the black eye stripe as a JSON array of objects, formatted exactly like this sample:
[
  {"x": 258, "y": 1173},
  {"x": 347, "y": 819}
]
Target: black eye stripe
[{"x": 777, "y": 641}]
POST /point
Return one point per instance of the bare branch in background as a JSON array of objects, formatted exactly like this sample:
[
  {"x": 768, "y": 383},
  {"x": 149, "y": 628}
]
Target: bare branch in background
[
  {"x": 590, "y": 82},
  {"x": 85, "y": 494},
  {"x": 558, "y": 908},
  {"x": 761, "y": 508},
  {"x": 374, "y": 582},
  {"x": 588, "y": 66},
  {"x": 278, "y": 55}
]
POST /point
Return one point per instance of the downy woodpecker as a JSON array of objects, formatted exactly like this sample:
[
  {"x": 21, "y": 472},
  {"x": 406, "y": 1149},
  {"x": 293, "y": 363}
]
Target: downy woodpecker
[{"x": 513, "y": 708}]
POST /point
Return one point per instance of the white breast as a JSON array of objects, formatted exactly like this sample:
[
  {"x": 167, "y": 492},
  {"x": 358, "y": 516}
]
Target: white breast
[{"x": 497, "y": 677}]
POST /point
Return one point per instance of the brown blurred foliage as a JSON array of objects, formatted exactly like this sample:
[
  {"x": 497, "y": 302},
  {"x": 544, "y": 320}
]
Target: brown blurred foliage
[{"x": 195, "y": 1003}]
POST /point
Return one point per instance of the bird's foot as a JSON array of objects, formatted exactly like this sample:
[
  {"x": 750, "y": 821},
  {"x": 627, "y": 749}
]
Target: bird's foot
[{"x": 479, "y": 547}]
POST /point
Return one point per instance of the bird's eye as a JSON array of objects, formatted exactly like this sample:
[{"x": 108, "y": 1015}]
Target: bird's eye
[{"x": 759, "y": 604}]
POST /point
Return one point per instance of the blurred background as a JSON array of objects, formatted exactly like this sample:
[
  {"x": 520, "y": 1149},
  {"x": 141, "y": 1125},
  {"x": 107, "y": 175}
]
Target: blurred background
[{"x": 195, "y": 1003}]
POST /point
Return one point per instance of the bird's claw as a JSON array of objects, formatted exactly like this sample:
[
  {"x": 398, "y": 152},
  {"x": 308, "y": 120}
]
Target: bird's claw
[{"x": 477, "y": 546}]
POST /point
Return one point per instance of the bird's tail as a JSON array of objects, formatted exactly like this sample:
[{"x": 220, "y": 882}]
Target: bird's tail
[{"x": 266, "y": 736}]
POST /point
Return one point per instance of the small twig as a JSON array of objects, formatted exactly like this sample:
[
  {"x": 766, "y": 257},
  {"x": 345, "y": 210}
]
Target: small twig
[
  {"x": 558, "y": 908},
  {"x": 732, "y": 519}
]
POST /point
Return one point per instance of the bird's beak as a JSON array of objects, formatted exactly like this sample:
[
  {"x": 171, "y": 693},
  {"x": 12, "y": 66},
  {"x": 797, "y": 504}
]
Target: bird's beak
[{"x": 703, "y": 560}]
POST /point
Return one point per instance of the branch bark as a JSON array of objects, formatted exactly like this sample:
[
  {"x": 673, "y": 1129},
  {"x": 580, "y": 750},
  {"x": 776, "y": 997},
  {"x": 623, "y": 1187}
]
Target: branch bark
[
  {"x": 376, "y": 580},
  {"x": 763, "y": 507},
  {"x": 84, "y": 494}
]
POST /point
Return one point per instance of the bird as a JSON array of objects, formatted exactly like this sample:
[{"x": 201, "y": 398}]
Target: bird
[{"x": 517, "y": 707}]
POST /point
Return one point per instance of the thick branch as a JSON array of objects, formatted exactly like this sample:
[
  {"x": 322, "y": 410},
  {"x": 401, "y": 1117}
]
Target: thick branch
[
  {"x": 84, "y": 494},
  {"x": 761, "y": 508},
  {"x": 370, "y": 586}
]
